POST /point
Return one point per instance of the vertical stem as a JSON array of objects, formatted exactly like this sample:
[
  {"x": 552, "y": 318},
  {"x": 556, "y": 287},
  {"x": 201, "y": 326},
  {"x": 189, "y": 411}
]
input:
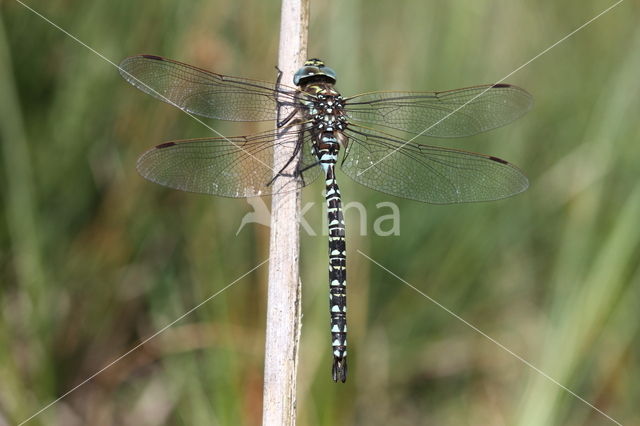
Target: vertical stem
[{"x": 283, "y": 299}]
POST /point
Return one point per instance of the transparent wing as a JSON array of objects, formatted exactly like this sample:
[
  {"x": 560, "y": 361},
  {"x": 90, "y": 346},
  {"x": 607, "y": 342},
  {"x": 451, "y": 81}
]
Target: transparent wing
[
  {"x": 202, "y": 92},
  {"x": 427, "y": 173},
  {"x": 231, "y": 167},
  {"x": 454, "y": 113}
]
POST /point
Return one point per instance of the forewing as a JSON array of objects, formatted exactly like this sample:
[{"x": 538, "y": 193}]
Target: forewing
[
  {"x": 427, "y": 173},
  {"x": 230, "y": 167},
  {"x": 204, "y": 93},
  {"x": 454, "y": 113}
]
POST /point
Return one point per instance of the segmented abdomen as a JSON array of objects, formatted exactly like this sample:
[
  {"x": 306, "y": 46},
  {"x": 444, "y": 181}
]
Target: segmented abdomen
[{"x": 327, "y": 152}]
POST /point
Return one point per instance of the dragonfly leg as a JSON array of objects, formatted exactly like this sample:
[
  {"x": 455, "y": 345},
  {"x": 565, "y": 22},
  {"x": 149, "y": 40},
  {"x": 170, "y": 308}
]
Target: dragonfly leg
[
  {"x": 279, "y": 77},
  {"x": 288, "y": 118},
  {"x": 310, "y": 166},
  {"x": 293, "y": 156},
  {"x": 280, "y": 104}
]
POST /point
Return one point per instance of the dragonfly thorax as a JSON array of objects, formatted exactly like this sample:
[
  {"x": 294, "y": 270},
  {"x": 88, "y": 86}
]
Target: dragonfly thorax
[
  {"x": 329, "y": 114},
  {"x": 323, "y": 106},
  {"x": 323, "y": 109}
]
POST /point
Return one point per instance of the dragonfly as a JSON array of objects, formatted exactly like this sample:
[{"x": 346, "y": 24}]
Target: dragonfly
[{"x": 365, "y": 134}]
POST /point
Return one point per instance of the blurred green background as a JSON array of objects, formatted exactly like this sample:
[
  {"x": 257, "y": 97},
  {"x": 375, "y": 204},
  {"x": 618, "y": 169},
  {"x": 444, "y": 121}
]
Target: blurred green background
[{"x": 93, "y": 258}]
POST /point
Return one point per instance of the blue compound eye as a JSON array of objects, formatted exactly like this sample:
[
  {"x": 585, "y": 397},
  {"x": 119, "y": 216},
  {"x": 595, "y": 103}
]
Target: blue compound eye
[{"x": 314, "y": 70}]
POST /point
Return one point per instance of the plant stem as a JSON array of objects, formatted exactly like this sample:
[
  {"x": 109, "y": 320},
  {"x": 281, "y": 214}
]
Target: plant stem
[{"x": 284, "y": 293}]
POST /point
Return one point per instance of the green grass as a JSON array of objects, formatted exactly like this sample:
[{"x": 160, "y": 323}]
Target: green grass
[{"x": 94, "y": 258}]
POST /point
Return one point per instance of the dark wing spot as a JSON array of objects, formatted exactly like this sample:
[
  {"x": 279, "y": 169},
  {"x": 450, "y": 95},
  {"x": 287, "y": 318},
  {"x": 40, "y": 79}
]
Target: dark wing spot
[
  {"x": 165, "y": 145},
  {"x": 501, "y": 85},
  {"x": 499, "y": 160},
  {"x": 157, "y": 58}
]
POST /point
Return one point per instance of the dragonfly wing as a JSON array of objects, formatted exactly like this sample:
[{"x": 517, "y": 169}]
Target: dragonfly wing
[
  {"x": 427, "y": 173},
  {"x": 204, "y": 93},
  {"x": 454, "y": 113},
  {"x": 230, "y": 167}
]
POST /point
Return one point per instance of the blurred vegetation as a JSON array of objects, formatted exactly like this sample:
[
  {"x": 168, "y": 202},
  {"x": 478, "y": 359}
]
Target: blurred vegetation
[{"x": 93, "y": 258}]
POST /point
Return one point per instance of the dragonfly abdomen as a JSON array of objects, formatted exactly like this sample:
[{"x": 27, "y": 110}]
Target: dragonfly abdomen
[{"x": 327, "y": 149}]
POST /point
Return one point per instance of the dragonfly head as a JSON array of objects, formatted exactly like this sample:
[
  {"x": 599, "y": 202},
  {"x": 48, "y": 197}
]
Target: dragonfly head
[{"x": 313, "y": 71}]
